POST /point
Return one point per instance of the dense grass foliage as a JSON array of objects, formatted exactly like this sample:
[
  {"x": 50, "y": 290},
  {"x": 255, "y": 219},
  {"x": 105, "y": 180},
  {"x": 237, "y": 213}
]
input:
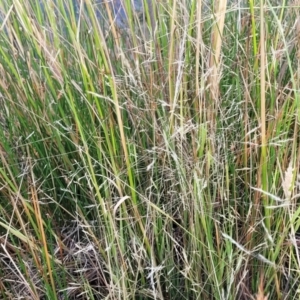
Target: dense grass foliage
[{"x": 159, "y": 160}]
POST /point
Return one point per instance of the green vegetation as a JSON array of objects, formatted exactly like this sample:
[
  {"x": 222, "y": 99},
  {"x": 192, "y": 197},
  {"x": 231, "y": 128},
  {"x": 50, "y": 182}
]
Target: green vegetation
[{"x": 159, "y": 161}]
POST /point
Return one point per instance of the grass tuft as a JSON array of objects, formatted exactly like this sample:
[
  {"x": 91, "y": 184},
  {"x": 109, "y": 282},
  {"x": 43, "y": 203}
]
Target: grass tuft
[{"x": 153, "y": 158}]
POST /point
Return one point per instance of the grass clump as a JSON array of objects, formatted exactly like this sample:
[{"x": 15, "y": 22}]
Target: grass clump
[{"x": 159, "y": 160}]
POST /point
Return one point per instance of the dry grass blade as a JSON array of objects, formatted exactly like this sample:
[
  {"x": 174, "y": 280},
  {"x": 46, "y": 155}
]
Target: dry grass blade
[
  {"x": 261, "y": 294},
  {"x": 216, "y": 42},
  {"x": 288, "y": 181}
]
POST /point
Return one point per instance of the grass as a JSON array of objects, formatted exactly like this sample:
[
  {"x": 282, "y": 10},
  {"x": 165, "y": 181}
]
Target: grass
[{"x": 160, "y": 161}]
